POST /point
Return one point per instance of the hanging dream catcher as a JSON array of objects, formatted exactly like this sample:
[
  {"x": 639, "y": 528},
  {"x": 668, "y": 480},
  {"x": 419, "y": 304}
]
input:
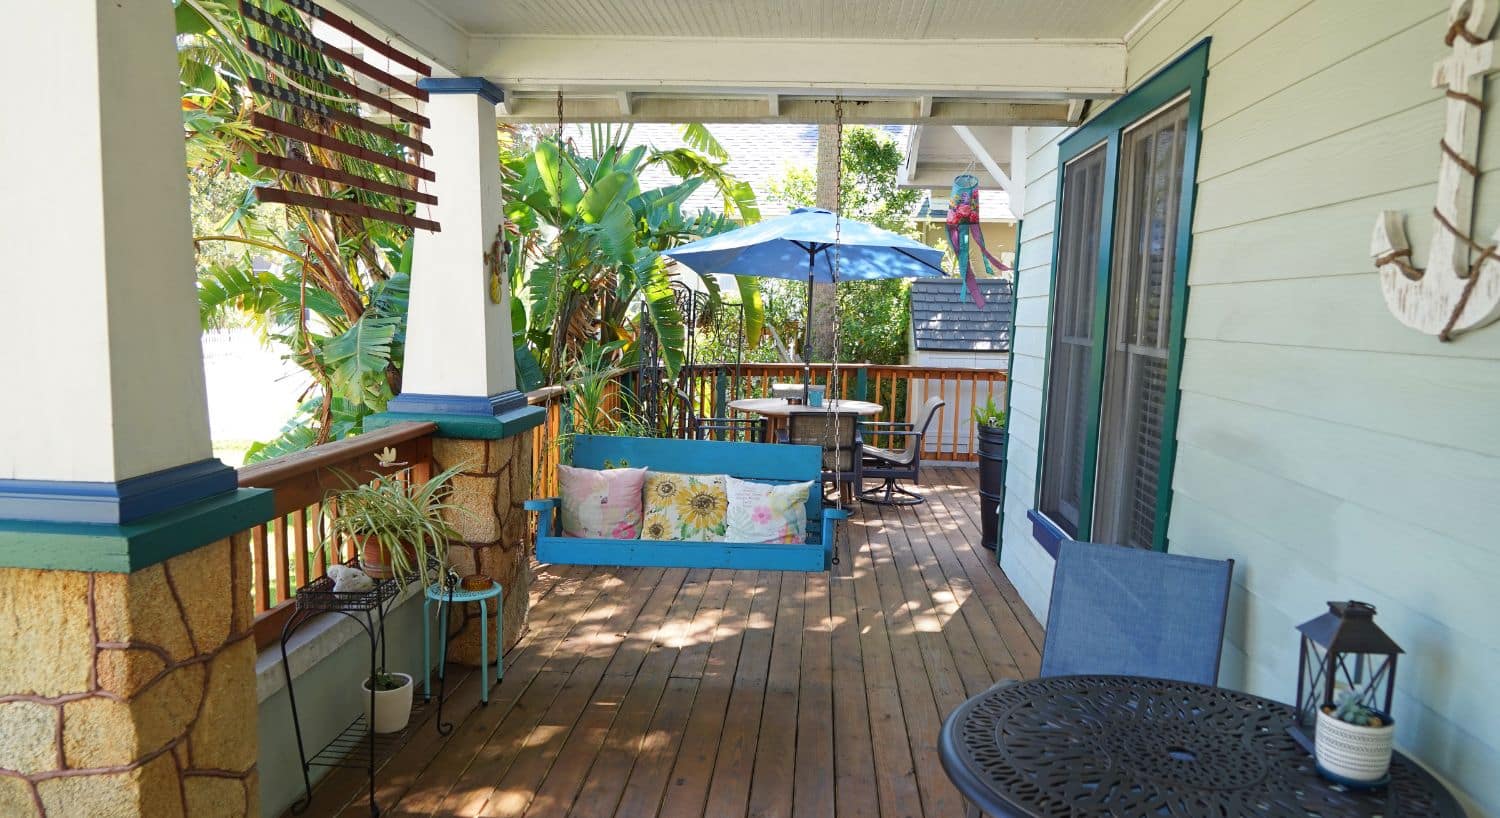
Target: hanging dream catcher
[{"x": 963, "y": 224}]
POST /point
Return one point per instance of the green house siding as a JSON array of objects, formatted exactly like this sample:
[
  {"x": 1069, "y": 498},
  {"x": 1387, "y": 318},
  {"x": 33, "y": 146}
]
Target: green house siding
[{"x": 1331, "y": 451}]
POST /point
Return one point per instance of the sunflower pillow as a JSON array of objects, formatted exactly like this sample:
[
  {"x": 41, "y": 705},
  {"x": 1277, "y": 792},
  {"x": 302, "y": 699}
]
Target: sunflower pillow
[{"x": 685, "y": 507}]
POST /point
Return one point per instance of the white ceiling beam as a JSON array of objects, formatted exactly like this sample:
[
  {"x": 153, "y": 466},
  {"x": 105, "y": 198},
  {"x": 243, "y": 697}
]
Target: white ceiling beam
[
  {"x": 413, "y": 26},
  {"x": 983, "y": 157},
  {"x": 773, "y": 105},
  {"x": 1020, "y": 174},
  {"x": 908, "y": 169},
  {"x": 600, "y": 107},
  {"x": 924, "y": 106},
  {"x": 1075, "y": 110},
  {"x": 1011, "y": 69},
  {"x": 624, "y": 102}
]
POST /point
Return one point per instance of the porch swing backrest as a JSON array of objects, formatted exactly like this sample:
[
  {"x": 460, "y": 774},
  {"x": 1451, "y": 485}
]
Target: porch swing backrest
[{"x": 758, "y": 462}]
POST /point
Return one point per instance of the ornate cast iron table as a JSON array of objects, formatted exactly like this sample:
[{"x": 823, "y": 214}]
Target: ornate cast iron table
[{"x": 1132, "y": 747}]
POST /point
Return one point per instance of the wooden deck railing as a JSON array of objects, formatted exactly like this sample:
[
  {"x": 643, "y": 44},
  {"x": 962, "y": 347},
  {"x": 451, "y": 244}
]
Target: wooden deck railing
[
  {"x": 296, "y": 547},
  {"x": 899, "y": 389},
  {"x": 544, "y": 440},
  {"x": 706, "y": 390}
]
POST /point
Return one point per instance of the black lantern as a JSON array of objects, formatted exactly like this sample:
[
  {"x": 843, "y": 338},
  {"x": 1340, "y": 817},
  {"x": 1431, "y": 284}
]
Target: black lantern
[{"x": 1345, "y": 652}]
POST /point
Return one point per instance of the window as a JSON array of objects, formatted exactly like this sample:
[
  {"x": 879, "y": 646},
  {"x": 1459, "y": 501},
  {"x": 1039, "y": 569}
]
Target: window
[
  {"x": 1118, "y": 303},
  {"x": 1072, "y": 338}
]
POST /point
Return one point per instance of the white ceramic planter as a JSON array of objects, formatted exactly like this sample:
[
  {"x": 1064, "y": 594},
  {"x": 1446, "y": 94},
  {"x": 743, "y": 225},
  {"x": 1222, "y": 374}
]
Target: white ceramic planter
[
  {"x": 392, "y": 707},
  {"x": 1351, "y": 752}
]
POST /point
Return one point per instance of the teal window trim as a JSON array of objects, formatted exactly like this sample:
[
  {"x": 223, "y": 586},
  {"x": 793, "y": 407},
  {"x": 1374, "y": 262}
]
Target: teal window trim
[{"x": 1187, "y": 74}]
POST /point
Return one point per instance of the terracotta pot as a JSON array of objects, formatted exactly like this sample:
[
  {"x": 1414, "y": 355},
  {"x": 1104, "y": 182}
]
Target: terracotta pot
[{"x": 373, "y": 561}]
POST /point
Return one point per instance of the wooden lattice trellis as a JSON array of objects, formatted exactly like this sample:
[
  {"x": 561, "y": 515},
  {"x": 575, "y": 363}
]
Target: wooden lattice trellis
[{"x": 309, "y": 103}]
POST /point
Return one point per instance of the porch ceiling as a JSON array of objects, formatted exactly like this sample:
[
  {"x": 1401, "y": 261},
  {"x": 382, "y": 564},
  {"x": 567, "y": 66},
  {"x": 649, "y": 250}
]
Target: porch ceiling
[
  {"x": 977, "y": 62},
  {"x": 935, "y": 154},
  {"x": 875, "y": 19}
]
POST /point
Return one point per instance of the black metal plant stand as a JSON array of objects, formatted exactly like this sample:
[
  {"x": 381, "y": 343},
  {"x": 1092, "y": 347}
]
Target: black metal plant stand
[{"x": 357, "y": 746}]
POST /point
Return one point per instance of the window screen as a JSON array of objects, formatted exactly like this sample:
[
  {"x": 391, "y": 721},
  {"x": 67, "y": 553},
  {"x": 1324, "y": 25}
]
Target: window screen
[
  {"x": 1134, "y": 397},
  {"x": 1072, "y": 338}
]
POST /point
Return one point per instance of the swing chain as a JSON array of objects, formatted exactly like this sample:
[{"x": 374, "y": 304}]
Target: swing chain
[{"x": 834, "y": 416}]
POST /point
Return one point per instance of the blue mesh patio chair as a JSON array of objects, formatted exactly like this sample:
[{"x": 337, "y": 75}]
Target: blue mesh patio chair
[{"x": 1125, "y": 611}]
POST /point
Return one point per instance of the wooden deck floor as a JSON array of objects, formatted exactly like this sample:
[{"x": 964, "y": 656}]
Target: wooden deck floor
[{"x": 641, "y": 692}]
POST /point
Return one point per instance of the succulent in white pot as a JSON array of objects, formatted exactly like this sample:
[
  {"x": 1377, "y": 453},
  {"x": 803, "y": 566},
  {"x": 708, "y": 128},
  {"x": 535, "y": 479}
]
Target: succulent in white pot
[
  {"x": 1354, "y": 741},
  {"x": 393, "y": 692}
]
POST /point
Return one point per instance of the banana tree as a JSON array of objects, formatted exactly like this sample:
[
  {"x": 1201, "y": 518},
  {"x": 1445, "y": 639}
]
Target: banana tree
[{"x": 593, "y": 238}]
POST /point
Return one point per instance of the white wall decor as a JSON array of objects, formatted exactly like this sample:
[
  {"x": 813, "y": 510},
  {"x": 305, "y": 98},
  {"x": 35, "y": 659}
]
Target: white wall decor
[{"x": 1459, "y": 289}]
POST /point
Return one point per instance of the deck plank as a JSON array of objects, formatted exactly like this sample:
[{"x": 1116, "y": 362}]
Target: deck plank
[
  {"x": 692, "y": 771},
  {"x": 853, "y": 754},
  {"x": 729, "y": 789},
  {"x": 922, "y": 706},
  {"x": 896, "y": 771},
  {"x": 813, "y": 787},
  {"x": 776, "y": 750},
  {"x": 643, "y": 691}
]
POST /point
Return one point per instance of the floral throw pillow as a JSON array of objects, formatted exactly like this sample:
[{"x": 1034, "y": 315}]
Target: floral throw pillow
[
  {"x": 685, "y": 507},
  {"x": 601, "y": 504},
  {"x": 761, "y": 512}
]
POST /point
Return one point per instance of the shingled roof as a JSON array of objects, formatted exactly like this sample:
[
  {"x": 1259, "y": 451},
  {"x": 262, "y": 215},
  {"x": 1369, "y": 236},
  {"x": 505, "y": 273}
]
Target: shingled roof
[{"x": 940, "y": 321}]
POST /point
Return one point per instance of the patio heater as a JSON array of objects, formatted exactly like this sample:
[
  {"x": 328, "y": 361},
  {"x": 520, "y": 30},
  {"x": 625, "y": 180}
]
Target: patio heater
[{"x": 1343, "y": 653}]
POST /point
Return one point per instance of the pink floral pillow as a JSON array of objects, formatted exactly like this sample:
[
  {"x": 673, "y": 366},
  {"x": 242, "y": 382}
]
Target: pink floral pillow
[
  {"x": 762, "y": 512},
  {"x": 601, "y": 504}
]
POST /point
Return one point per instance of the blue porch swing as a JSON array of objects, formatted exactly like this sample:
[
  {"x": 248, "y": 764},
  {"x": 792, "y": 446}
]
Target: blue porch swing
[
  {"x": 787, "y": 247},
  {"x": 760, "y": 462}
]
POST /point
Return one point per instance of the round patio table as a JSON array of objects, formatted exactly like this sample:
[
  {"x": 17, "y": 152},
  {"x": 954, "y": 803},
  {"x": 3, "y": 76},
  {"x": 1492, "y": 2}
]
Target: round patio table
[
  {"x": 1131, "y": 747},
  {"x": 776, "y": 410},
  {"x": 779, "y": 408}
]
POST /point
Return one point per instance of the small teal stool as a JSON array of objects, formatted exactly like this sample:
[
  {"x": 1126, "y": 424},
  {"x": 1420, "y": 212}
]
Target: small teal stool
[{"x": 444, "y": 597}]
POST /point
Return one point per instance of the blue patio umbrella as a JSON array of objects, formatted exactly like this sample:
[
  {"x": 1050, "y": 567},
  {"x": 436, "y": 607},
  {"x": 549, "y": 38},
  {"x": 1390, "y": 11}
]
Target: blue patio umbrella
[{"x": 800, "y": 246}]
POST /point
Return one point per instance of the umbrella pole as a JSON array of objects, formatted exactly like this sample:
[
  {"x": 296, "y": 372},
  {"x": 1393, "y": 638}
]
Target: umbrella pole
[{"x": 807, "y": 331}]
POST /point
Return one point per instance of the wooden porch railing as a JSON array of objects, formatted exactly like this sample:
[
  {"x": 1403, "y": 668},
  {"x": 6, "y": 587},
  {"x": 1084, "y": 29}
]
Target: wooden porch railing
[
  {"x": 705, "y": 391},
  {"x": 544, "y": 440},
  {"x": 296, "y": 546},
  {"x": 899, "y": 389}
]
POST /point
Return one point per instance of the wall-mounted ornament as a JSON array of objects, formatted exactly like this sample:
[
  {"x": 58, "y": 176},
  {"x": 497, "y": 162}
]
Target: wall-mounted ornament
[
  {"x": 494, "y": 263},
  {"x": 1459, "y": 289}
]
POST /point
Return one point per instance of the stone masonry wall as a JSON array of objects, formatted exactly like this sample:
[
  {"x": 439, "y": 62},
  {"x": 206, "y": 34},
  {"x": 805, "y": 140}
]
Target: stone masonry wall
[
  {"x": 495, "y": 482},
  {"x": 129, "y": 694}
]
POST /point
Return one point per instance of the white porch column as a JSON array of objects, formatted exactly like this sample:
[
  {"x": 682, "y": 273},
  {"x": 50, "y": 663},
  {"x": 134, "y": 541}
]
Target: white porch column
[
  {"x": 98, "y": 316},
  {"x": 105, "y": 416},
  {"x": 460, "y": 363},
  {"x": 127, "y": 659}
]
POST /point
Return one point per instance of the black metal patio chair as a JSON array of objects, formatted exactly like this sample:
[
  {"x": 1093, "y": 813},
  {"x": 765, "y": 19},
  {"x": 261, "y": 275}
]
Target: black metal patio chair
[
  {"x": 838, "y": 437},
  {"x": 905, "y": 463},
  {"x": 745, "y": 430}
]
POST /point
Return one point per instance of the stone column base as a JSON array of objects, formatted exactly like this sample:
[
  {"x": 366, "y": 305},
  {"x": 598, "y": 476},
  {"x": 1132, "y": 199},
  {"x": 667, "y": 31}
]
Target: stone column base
[
  {"x": 129, "y": 694},
  {"x": 495, "y": 481}
]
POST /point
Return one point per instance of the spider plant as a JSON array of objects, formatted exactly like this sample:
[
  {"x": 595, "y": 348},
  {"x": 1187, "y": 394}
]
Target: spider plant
[{"x": 400, "y": 525}]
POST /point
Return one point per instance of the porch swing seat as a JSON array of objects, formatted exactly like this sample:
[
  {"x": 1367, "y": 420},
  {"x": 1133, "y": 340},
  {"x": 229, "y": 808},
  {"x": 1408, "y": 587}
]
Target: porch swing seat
[{"x": 759, "y": 462}]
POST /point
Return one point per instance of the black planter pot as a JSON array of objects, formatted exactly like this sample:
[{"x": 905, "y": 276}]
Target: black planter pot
[{"x": 991, "y": 483}]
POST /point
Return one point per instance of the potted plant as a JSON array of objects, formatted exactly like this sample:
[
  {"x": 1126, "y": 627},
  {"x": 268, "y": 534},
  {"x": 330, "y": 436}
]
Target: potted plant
[
  {"x": 991, "y": 422},
  {"x": 1353, "y": 742},
  {"x": 391, "y": 701},
  {"x": 399, "y": 525}
]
